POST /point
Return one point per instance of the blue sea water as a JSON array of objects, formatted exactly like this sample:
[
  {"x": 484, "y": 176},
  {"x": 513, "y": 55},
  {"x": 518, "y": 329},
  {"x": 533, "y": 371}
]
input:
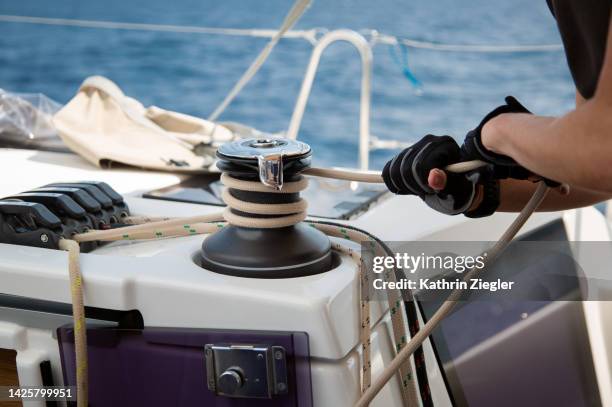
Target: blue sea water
[{"x": 192, "y": 73}]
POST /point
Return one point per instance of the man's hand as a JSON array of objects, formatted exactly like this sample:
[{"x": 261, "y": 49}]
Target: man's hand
[
  {"x": 474, "y": 149},
  {"x": 418, "y": 171},
  {"x": 406, "y": 173}
]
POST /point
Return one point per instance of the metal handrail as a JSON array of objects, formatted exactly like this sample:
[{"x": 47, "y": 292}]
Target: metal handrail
[{"x": 365, "y": 51}]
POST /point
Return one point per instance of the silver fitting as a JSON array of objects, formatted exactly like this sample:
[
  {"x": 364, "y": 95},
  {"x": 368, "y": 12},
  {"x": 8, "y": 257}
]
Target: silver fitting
[
  {"x": 269, "y": 151},
  {"x": 271, "y": 170}
]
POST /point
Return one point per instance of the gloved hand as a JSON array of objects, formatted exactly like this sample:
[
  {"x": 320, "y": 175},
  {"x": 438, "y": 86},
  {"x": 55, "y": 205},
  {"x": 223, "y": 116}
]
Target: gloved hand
[
  {"x": 408, "y": 173},
  {"x": 503, "y": 166}
]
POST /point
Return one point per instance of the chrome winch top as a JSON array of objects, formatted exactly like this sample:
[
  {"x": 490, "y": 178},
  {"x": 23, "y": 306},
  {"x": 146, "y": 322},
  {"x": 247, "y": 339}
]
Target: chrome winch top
[{"x": 268, "y": 152}]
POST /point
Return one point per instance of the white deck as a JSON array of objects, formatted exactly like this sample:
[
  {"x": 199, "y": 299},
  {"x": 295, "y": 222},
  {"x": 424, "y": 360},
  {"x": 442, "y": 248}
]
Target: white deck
[{"x": 160, "y": 278}]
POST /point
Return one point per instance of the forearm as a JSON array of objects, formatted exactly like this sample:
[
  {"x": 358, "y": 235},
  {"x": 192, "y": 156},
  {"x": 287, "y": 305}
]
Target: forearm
[
  {"x": 575, "y": 148},
  {"x": 514, "y": 194}
]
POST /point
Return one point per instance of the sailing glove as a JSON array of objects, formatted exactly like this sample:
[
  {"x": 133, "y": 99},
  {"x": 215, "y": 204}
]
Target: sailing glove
[
  {"x": 503, "y": 166},
  {"x": 408, "y": 172}
]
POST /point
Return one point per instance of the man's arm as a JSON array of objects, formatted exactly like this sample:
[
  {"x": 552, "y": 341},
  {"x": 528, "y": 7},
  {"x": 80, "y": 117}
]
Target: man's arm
[
  {"x": 575, "y": 148},
  {"x": 514, "y": 194}
]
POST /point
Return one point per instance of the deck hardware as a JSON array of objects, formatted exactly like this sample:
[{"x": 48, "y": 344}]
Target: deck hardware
[{"x": 246, "y": 371}]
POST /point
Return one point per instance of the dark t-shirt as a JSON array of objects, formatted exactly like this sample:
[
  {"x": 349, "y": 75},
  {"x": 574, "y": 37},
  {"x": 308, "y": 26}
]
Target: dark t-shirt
[{"x": 583, "y": 25}]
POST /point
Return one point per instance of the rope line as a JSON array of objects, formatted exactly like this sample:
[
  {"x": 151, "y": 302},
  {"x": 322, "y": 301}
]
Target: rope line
[
  {"x": 400, "y": 333},
  {"x": 291, "y": 213},
  {"x": 78, "y": 315},
  {"x": 145, "y": 229},
  {"x": 376, "y": 177},
  {"x": 298, "y": 9}
]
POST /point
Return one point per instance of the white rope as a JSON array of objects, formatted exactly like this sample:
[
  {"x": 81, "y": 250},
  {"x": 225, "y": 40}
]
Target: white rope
[
  {"x": 308, "y": 35},
  {"x": 78, "y": 316},
  {"x": 295, "y": 13},
  {"x": 288, "y": 214},
  {"x": 376, "y": 177},
  {"x": 288, "y": 187},
  {"x": 407, "y": 378},
  {"x": 347, "y": 175},
  {"x": 157, "y": 228}
]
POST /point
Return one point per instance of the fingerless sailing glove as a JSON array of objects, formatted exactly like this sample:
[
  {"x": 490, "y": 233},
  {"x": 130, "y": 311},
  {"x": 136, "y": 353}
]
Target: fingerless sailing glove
[
  {"x": 503, "y": 166},
  {"x": 408, "y": 172}
]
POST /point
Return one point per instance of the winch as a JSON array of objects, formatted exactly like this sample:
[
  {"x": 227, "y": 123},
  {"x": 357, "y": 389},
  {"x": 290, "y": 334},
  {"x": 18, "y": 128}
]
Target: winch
[{"x": 266, "y": 237}]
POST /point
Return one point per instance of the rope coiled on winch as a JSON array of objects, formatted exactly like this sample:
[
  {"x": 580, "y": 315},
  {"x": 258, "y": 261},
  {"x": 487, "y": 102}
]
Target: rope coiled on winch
[{"x": 248, "y": 214}]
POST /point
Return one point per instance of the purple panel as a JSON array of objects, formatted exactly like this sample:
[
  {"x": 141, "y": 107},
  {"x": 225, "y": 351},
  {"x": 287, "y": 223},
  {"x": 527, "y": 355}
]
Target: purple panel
[{"x": 166, "y": 366}]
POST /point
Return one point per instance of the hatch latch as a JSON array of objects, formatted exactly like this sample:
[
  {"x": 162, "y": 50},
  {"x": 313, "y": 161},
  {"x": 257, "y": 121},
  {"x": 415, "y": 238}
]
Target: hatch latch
[{"x": 247, "y": 371}]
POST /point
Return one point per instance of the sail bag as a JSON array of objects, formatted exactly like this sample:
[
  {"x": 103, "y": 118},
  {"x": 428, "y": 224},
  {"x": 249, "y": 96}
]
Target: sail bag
[{"x": 107, "y": 128}]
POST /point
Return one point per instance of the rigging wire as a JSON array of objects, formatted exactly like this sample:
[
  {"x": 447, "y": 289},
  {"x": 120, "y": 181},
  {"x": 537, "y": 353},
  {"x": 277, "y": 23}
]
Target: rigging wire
[
  {"x": 379, "y": 38},
  {"x": 310, "y": 35},
  {"x": 298, "y": 9}
]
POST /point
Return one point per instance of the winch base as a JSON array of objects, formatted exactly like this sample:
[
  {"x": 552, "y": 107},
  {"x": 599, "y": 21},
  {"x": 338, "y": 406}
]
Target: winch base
[{"x": 294, "y": 251}]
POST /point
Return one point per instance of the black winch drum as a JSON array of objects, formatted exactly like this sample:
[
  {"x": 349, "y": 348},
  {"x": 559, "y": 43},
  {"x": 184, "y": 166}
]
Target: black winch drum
[{"x": 286, "y": 252}]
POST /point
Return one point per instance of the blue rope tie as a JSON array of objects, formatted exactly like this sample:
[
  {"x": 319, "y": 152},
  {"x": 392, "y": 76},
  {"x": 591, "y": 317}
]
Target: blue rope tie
[{"x": 399, "y": 53}]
